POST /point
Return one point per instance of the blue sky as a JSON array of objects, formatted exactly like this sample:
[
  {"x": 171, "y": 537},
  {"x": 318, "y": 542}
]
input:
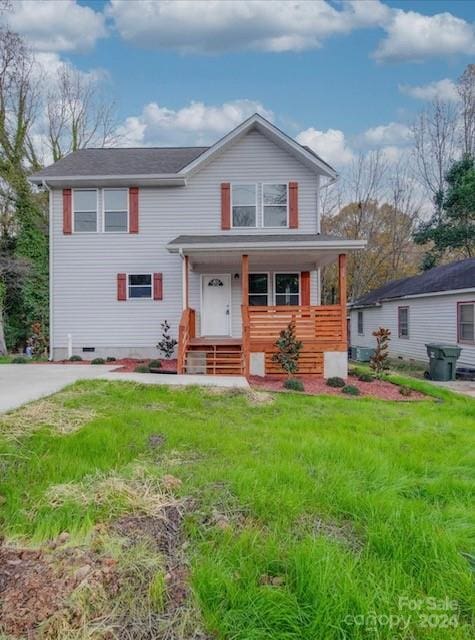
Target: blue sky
[{"x": 346, "y": 67}]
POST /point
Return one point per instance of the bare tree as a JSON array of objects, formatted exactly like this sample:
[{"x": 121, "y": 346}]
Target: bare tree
[
  {"x": 18, "y": 105},
  {"x": 466, "y": 90},
  {"x": 435, "y": 145},
  {"x": 78, "y": 114}
]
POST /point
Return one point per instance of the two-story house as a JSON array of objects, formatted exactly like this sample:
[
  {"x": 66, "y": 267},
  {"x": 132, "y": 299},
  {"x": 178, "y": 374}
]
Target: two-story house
[{"x": 223, "y": 242}]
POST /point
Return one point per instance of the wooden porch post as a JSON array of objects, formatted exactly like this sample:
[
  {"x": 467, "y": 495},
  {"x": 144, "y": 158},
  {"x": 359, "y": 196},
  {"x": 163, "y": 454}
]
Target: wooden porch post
[
  {"x": 245, "y": 280},
  {"x": 245, "y": 315},
  {"x": 185, "y": 282},
  {"x": 342, "y": 295}
]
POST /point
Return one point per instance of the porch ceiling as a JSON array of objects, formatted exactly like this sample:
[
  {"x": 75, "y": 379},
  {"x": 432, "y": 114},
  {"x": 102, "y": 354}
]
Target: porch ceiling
[{"x": 261, "y": 261}]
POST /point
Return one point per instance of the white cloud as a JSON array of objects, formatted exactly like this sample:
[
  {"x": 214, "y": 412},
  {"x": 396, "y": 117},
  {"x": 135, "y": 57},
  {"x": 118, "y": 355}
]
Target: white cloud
[
  {"x": 413, "y": 37},
  {"x": 330, "y": 145},
  {"x": 62, "y": 25},
  {"x": 394, "y": 133},
  {"x": 444, "y": 89},
  {"x": 210, "y": 26},
  {"x": 195, "y": 124}
]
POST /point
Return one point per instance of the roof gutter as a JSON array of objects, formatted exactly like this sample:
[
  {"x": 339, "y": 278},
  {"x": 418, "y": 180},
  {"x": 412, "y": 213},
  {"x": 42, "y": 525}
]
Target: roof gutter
[
  {"x": 348, "y": 245},
  {"x": 45, "y": 185}
]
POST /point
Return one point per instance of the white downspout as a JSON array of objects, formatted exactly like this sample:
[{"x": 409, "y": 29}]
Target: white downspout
[{"x": 50, "y": 267}]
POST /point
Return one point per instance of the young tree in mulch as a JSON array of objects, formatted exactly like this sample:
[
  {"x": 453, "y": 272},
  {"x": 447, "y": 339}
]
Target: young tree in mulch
[
  {"x": 288, "y": 350},
  {"x": 167, "y": 344},
  {"x": 379, "y": 360}
]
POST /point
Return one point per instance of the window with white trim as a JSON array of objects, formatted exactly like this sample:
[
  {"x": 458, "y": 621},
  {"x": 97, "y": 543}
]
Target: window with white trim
[
  {"x": 85, "y": 210},
  {"x": 116, "y": 210},
  {"x": 287, "y": 289},
  {"x": 139, "y": 285},
  {"x": 360, "y": 323},
  {"x": 244, "y": 205},
  {"x": 466, "y": 321},
  {"x": 274, "y": 205},
  {"x": 258, "y": 289},
  {"x": 403, "y": 322}
]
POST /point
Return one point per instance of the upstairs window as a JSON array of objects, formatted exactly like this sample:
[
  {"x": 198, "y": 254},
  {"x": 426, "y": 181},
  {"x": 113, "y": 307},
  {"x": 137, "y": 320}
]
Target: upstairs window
[
  {"x": 287, "y": 289},
  {"x": 360, "y": 323},
  {"x": 403, "y": 322},
  {"x": 140, "y": 285},
  {"x": 85, "y": 210},
  {"x": 244, "y": 205},
  {"x": 466, "y": 322},
  {"x": 258, "y": 289},
  {"x": 116, "y": 210},
  {"x": 274, "y": 205}
]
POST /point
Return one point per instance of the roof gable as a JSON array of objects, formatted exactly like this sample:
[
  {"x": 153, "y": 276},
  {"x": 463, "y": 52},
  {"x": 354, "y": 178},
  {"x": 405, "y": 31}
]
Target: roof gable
[{"x": 257, "y": 122}]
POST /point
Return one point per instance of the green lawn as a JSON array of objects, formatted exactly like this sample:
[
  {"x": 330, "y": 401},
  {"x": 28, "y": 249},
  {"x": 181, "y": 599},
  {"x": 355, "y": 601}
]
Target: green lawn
[{"x": 336, "y": 510}]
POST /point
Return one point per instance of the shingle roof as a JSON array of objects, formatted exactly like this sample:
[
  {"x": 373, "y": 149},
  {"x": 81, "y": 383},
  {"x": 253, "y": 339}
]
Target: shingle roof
[
  {"x": 447, "y": 277},
  {"x": 123, "y": 161}
]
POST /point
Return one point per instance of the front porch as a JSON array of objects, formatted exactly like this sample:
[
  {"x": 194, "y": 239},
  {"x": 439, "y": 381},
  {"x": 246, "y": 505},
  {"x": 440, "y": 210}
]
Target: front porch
[{"x": 236, "y": 301}]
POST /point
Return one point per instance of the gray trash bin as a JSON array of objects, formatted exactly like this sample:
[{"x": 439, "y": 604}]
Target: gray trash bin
[{"x": 442, "y": 361}]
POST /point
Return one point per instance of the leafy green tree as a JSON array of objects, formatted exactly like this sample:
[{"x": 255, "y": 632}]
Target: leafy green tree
[{"x": 452, "y": 227}]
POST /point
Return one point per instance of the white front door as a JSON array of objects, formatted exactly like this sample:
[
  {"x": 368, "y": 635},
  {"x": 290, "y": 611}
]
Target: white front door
[{"x": 216, "y": 305}]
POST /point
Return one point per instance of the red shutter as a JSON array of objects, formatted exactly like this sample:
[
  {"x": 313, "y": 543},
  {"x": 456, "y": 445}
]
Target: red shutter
[
  {"x": 293, "y": 205},
  {"x": 158, "y": 286},
  {"x": 305, "y": 288},
  {"x": 67, "y": 211},
  {"x": 121, "y": 286},
  {"x": 225, "y": 205},
  {"x": 133, "y": 210}
]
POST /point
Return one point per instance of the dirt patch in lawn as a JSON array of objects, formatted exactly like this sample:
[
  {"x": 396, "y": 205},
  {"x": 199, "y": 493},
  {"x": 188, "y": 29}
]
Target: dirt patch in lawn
[
  {"x": 36, "y": 587},
  {"x": 342, "y": 532},
  {"x": 44, "y": 413},
  {"x": 317, "y": 386}
]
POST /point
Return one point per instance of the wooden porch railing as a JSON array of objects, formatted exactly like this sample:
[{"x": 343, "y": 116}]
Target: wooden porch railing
[
  {"x": 186, "y": 331},
  {"x": 246, "y": 339},
  {"x": 316, "y": 324}
]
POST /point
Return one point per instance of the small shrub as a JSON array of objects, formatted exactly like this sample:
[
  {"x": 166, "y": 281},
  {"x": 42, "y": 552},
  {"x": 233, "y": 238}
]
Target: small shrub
[
  {"x": 288, "y": 350},
  {"x": 98, "y": 361},
  {"x": 336, "y": 382},
  {"x": 365, "y": 377},
  {"x": 142, "y": 368},
  {"x": 294, "y": 384},
  {"x": 405, "y": 391},
  {"x": 155, "y": 364},
  {"x": 379, "y": 360},
  {"x": 19, "y": 360},
  {"x": 351, "y": 390},
  {"x": 110, "y": 359},
  {"x": 75, "y": 358},
  {"x": 167, "y": 344}
]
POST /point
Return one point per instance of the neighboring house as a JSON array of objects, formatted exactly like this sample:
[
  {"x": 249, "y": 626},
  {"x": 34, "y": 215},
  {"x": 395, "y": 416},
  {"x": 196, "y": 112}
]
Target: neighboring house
[
  {"x": 223, "y": 242},
  {"x": 436, "y": 306}
]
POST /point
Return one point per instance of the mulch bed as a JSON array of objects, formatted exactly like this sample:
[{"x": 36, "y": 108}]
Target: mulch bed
[{"x": 317, "y": 386}]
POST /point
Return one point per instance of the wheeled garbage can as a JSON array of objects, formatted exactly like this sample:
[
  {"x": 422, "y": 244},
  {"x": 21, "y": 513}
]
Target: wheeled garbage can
[{"x": 442, "y": 361}]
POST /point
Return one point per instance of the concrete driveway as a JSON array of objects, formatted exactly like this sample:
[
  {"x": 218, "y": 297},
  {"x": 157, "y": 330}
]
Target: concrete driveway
[
  {"x": 21, "y": 383},
  {"x": 465, "y": 387}
]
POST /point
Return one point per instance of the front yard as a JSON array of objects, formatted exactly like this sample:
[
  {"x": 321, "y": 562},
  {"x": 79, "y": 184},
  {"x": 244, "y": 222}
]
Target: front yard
[{"x": 150, "y": 512}]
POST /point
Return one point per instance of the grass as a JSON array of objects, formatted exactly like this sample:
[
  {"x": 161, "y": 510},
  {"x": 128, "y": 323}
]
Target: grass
[{"x": 334, "y": 508}]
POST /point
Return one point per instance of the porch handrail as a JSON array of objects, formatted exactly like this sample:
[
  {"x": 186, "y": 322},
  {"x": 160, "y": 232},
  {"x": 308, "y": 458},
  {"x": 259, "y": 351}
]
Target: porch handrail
[
  {"x": 186, "y": 331},
  {"x": 312, "y": 323}
]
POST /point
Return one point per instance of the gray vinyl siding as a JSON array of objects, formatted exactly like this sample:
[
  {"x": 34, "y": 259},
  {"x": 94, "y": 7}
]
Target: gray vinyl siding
[
  {"x": 85, "y": 266},
  {"x": 431, "y": 319}
]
